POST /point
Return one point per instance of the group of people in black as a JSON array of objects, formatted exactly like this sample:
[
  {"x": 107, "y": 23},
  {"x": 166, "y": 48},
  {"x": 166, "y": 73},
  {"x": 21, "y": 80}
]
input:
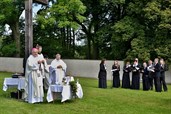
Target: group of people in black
[{"x": 153, "y": 73}]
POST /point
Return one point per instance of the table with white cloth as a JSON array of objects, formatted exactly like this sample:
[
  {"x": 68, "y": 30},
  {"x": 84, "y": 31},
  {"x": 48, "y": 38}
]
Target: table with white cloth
[
  {"x": 13, "y": 82},
  {"x": 65, "y": 91}
]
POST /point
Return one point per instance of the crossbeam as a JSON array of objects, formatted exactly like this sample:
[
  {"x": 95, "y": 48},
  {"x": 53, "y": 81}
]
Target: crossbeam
[{"x": 45, "y": 2}]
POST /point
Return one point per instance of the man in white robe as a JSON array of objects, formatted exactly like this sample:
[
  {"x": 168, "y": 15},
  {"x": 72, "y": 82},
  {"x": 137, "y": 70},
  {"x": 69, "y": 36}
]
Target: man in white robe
[
  {"x": 44, "y": 67},
  {"x": 33, "y": 79},
  {"x": 41, "y": 58},
  {"x": 59, "y": 67},
  {"x": 40, "y": 51}
]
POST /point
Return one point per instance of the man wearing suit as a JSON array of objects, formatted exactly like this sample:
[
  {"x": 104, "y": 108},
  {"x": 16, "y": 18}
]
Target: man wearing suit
[
  {"x": 162, "y": 78},
  {"x": 157, "y": 69}
]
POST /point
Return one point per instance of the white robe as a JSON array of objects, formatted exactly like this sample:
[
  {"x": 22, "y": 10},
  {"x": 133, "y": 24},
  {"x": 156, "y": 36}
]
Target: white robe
[
  {"x": 33, "y": 81},
  {"x": 42, "y": 66},
  {"x": 44, "y": 71},
  {"x": 41, "y": 57},
  {"x": 60, "y": 72}
]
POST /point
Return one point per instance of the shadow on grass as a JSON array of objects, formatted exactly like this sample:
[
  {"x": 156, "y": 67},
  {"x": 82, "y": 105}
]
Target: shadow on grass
[{"x": 59, "y": 102}]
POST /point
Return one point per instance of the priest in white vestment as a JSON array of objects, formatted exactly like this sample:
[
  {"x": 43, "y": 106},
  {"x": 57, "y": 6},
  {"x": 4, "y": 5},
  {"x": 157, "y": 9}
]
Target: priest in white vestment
[
  {"x": 33, "y": 91},
  {"x": 41, "y": 58},
  {"x": 57, "y": 70},
  {"x": 40, "y": 52},
  {"x": 44, "y": 67}
]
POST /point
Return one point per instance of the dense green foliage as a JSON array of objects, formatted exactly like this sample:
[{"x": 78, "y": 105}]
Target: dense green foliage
[
  {"x": 95, "y": 101},
  {"x": 73, "y": 85},
  {"x": 94, "y": 29},
  {"x": 9, "y": 14}
]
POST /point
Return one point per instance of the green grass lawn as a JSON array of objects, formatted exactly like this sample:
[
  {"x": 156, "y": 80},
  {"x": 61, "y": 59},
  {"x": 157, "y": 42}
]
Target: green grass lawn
[{"x": 95, "y": 101}]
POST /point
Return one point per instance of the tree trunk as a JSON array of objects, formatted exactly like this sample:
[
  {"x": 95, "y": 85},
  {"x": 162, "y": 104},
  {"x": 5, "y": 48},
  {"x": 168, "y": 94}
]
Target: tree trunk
[
  {"x": 70, "y": 38},
  {"x": 96, "y": 24},
  {"x": 16, "y": 35},
  {"x": 67, "y": 37},
  {"x": 73, "y": 42},
  {"x": 89, "y": 46},
  {"x": 63, "y": 37},
  {"x": 95, "y": 50}
]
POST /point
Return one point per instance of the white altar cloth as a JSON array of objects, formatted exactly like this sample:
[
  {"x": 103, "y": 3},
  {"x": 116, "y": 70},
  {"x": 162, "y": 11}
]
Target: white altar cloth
[
  {"x": 13, "y": 82},
  {"x": 65, "y": 92}
]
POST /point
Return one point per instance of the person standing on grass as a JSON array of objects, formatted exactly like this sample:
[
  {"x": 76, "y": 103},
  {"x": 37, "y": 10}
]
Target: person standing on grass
[
  {"x": 145, "y": 77},
  {"x": 115, "y": 70},
  {"x": 157, "y": 69},
  {"x": 45, "y": 67},
  {"x": 126, "y": 77},
  {"x": 135, "y": 75},
  {"x": 151, "y": 74},
  {"x": 33, "y": 90},
  {"x": 102, "y": 75},
  {"x": 162, "y": 78}
]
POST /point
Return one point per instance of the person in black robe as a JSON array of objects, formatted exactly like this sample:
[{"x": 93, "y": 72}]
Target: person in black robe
[
  {"x": 135, "y": 75},
  {"x": 102, "y": 75},
  {"x": 126, "y": 76},
  {"x": 151, "y": 74},
  {"x": 116, "y": 78},
  {"x": 145, "y": 78},
  {"x": 24, "y": 66},
  {"x": 162, "y": 78},
  {"x": 157, "y": 69}
]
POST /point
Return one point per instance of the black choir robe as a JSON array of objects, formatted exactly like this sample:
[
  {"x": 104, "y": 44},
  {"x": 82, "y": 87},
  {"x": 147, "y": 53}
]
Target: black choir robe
[
  {"x": 145, "y": 78},
  {"x": 126, "y": 77},
  {"x": 102, "y": 76},
  {"x": 151, "y": 76},
  {"x": 135, "y": 77},
  {"x": 116, "y": 78},
  {"x": 157, "y": 82},
  {"x": 162, "y": 78}
]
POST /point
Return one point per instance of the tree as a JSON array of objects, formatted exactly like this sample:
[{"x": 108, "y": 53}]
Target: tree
[
  {"x": 147, "y": 28},
  {"x": 9, "y": 14},
  {"x": 58, "y": 21}
]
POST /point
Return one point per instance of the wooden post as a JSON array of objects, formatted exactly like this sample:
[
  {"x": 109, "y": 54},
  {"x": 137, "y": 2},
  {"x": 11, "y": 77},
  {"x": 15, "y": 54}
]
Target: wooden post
[
  {"x": 29, "y": 25},
  {"x": 28, "y": 28}
]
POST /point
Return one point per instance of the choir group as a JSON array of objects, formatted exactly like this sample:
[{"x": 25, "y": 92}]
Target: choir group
[{"x": 152, "y": 72}]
